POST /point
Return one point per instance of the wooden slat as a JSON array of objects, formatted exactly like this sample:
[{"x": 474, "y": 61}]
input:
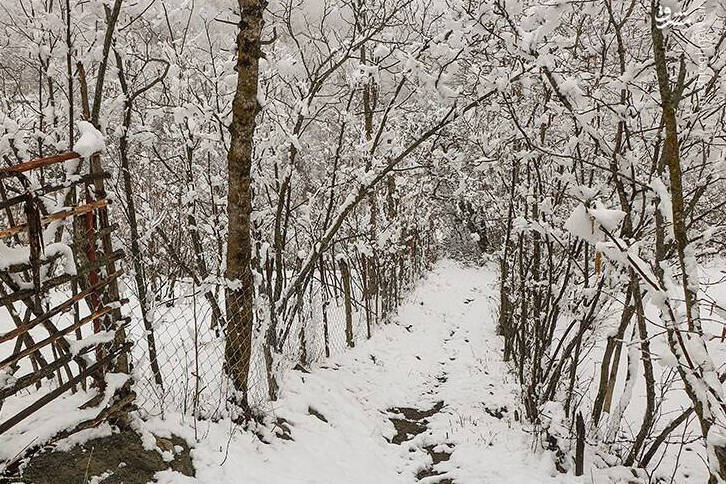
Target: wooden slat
[
  {"x": 15, "y": 268},
  {"x": 32, "y": 378},
  {"x": 16, "y": 200},
  {"x": 98, "y": 234},
  {"x": 14, "y": 170},
  {"x": 59, "y": 309},
  {"x": 117, "y": 255},
  {"x": 48, "y": 284},
  {"x": 50, "y": 339},
  {"x": 49, "y": 397},
  {"x": 10, "y": 202},
  {"x": 103, "y": 260},
  {"x": 61, "y": 215},
  {"x": 31, "y": 296},
  {"x": 54, "y": 282}
]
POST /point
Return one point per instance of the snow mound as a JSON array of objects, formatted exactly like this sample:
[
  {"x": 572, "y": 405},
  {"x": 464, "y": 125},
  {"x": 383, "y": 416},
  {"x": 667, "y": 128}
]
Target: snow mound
[{"x": 91, "y": 140}]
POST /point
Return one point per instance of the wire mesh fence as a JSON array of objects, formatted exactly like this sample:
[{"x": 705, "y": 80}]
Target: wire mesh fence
[
  {"x": 193, "y": 349},
  {"x": 180, "y": 340}
]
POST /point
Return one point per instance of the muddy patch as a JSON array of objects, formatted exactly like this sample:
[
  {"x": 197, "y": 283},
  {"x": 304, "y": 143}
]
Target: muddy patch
[
  {"x": 436, "y": 457},
  {"x": 116, "y": 459},
  {"x": 414, "y": 423},
  {"x": 416, "y": 414},
  {"x": 495, "y": 412},
  {"x": 406, "y": 430}
]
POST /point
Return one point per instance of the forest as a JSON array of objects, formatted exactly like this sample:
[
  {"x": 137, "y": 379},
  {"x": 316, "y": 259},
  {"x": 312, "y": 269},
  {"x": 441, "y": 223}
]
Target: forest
[{"x": 353, "y": 241}]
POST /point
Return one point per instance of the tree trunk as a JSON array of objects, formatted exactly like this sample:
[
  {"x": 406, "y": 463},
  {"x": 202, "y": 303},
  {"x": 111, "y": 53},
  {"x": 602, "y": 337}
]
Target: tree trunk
[
  {"x": 648, "y": 417},
  {"x": 239, "y": 294},
  {"x": 708, "y": 401},
  {"x": 580, "y": 446},
  {"x": 139, "y": 272}
]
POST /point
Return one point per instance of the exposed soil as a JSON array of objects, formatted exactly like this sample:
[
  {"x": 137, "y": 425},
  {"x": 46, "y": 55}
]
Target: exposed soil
[
  {"x": 282, "y": 429},
  {"x": 496, "y": 412},
  {"x": 414, "y": 423},
  {"x": 416, "y": 414},
  {"x": 436, "y": 457},
  {"x": 406, "y": 430},
  {"x": 317, "y": 414},
  {"x": 119, "y": 459}
]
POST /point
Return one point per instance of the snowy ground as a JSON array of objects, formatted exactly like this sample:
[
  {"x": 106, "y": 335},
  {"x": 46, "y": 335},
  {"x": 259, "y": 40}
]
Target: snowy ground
[{"x": 441, "y": 348}]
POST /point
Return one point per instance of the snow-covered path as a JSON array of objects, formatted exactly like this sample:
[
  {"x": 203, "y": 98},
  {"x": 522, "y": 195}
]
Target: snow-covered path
[{"x": 442, "y": 347}]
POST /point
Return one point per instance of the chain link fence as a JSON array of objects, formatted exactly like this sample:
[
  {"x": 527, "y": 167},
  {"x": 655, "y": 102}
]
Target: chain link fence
[{"x": 178, "y": 354}]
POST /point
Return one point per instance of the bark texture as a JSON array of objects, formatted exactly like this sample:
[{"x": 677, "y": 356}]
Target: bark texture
[
  {"x": 240, "y": 294},
  {"x": 707, "y": 401}
]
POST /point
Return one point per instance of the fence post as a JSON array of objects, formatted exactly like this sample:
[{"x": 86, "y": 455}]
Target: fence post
[
  {"x": 325, "y": 301},
  {"x": 345, "y": 275},
  {"x": 365, "y": 283},
  {"x": 580, "y": 446}
]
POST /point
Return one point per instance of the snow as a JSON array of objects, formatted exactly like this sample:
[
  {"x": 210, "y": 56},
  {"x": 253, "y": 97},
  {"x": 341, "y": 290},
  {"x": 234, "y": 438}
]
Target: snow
[
  {"x": 91, "y": 140},
  {"x": 442, "y": 346},
  {"x": 100, "y": 478},
  {"x": 686, "y": 463},
  {"x": 585, "y": 222},
  {"x": 75, "y": 347},
  {"x": 12, "y": 255},
  {"x": 580, "y": 224},
  {"x": 609, "y": 219},
  {"x": 664, "y": 203},
  {"x": 21, "y": 255},
  {"x": 62, "y": 413},
  {"x": 83, "y": 436}
]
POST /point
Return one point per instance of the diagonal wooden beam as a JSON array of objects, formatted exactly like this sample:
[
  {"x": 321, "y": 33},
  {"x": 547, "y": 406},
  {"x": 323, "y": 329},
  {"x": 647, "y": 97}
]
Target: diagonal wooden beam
[
  {"x": 50, "y": 396},
  {"x": 54, "y": 217},
  {"x": 9, "y": 171},
  {"x": 59, "y": 309},
  {"x": 55, "y": 337}
]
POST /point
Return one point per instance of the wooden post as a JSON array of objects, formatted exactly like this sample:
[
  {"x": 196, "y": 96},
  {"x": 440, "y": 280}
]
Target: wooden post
[
  {"x": 580, "y": 446},
  {"x": 326, "y": 301},
  {"x": 365, "y": 283},
  {"x": 345, "y": 275}
]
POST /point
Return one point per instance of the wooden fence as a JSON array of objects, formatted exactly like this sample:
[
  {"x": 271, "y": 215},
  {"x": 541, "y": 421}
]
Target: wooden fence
[{"x": 59, "y": 289}]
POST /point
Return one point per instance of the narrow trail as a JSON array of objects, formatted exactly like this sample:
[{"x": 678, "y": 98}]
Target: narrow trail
[{"x": 428, "y": 399}]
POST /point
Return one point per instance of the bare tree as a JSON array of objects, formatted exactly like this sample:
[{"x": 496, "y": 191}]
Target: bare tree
[{"x": 239, "y": 294}]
